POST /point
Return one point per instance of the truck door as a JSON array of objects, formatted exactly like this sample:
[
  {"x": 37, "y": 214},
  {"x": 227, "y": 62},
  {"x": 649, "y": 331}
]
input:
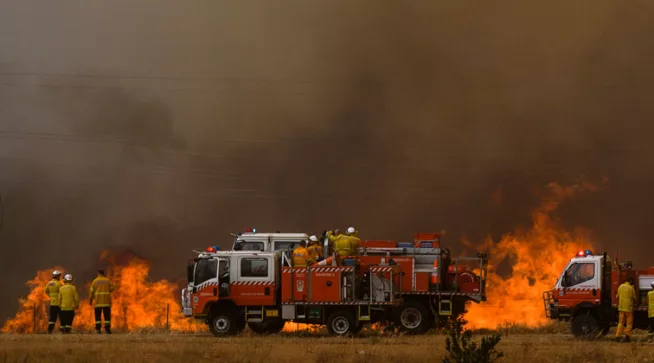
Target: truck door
[
  {"x": 255, "y": 284},
  {"x": 580, "y": 283}
]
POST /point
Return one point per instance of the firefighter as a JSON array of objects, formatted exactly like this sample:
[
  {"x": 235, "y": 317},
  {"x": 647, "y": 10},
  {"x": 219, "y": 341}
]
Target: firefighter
[
  {"x": 301, "y": 255},
  {"x": 315, "y": 250},
  {"x": 68, "y": 301},
  {"x": 100, "y": 299},
  {"x": 345, "y": 244},
  {"x": 626, "y": 299},
  {"x": 354, "y": 239},
  {"x": 52, "y": 290},
  {"x": 650, "y": 310}
]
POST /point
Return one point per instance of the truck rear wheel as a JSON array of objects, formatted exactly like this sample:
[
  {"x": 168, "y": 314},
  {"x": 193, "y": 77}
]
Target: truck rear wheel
[
  {"x": 341, "y": 323},
  {"x": 413, "y": 318},
  {"x": 585, "y": 326},
  {"x": 267, "y": 327},
  {"x": 223, "y": 324}
]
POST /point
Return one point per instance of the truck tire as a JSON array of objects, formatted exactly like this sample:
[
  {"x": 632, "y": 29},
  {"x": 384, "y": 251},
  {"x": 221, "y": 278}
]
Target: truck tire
[
  {"x": 585, "y": 326},
  {"x": 341, "y": 323},
  {"x": 223, "y": 323},
  {"x": 267, "y": 327},
  {"x": 413, "y": 318}
]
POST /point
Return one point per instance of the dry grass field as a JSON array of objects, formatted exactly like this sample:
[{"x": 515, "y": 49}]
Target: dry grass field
[{"x": 520, "y": 346}]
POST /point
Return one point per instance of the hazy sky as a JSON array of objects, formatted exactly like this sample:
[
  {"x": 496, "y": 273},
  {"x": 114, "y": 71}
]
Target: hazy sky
[{"x": 163, "y": 125}]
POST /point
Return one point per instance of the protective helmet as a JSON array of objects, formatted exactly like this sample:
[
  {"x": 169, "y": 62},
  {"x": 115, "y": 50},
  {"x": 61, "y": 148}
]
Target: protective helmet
[
  {"x": 68, "y": 277},
  {"x": 350, "y": 230},
  {"x": 652, "y": 284},
  {"x": 56, "y": 273},
  {"x": 313, "y": 239}
]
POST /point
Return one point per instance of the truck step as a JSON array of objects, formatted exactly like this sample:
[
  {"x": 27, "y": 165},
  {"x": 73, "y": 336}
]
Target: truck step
[{"x": 254, "y": 320}]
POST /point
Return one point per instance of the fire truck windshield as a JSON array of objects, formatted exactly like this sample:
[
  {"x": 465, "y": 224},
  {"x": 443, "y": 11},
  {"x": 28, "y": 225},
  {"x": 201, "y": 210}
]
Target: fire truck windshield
[{"x": 205, "y": 269}]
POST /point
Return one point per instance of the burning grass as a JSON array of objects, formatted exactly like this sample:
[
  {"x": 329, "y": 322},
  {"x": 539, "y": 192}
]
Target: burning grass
[{"x": 174, "y": 347}]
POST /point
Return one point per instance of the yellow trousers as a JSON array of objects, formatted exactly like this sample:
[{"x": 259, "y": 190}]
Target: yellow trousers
[{"x": 629, "y": 318}]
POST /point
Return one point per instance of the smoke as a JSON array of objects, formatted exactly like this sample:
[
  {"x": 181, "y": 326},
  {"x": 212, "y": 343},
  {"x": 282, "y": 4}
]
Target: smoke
[{"x": 162, "y": 127}]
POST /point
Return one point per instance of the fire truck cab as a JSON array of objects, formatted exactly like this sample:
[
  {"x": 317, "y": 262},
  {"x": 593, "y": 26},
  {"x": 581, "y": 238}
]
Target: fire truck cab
[{"x": 585, "y": 294}]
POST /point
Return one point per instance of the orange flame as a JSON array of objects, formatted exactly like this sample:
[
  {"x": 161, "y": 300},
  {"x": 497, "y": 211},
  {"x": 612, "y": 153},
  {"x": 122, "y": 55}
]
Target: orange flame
[
  {"x": 539, "y": 256},
  {"x": 137, "y": 303}
]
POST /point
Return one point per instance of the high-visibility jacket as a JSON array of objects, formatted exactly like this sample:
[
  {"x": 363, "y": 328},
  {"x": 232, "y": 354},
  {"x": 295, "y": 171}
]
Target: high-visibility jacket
[
  {"x": 68, "y": 298},
  {"x": 52, "y": 290},
  {"x": 315, "y": 251},
  {"x": 100, "y": 293},
  {"x": 626, "y": 297},
  {"x": 344, "y": 245},
  {"x": 300, "y": 256},
  {"x": 650, "y": 304}
]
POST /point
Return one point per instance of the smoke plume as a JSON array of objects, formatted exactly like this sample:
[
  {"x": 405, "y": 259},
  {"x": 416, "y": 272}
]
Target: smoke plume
[{"x": 162, "y": 126}]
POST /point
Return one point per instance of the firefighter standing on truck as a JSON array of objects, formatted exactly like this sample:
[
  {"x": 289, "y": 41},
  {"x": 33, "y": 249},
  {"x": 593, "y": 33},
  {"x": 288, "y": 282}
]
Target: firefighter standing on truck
[
  {"x": 68, "y": 301},
  {"x": 100, "y": 298},
  {"x": 301, "y": 255},
  {"x": 650, "y": 310},
  {"x": 626, "y": 299},
  {"x": 345, "y": 244},
  {"x": 315, "y": 250},
  {"x": 52, "y": 290}
]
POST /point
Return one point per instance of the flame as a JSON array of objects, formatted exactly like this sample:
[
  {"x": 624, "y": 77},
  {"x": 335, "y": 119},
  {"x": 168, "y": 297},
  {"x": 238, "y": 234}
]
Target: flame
[
  {"x": 538, "y": 257},
  {"x": 137, "y": 303}
]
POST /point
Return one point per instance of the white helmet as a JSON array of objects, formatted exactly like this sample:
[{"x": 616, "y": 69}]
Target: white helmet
[
  {"x": 68, "y": 277},
  {"x": 313, "y": 239},
  {"x": 652, "y": 284},
  {"x": 350, "y": 230},
  {"x": 56, "y": 273}
]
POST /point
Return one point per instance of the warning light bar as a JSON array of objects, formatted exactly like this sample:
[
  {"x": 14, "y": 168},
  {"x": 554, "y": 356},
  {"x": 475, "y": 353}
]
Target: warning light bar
[
  {"x": 584, "y": 253},
  {"x": 250, "y": 230}
]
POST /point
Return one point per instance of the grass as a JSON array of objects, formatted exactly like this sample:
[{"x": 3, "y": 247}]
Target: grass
[{"x": 518, "y": 346}]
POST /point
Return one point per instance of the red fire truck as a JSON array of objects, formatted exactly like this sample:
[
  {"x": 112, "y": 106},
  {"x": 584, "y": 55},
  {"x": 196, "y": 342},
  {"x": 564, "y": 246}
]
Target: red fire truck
[
  {"x": 411, "y": 285},
  {"x": 585, "y": 294}
]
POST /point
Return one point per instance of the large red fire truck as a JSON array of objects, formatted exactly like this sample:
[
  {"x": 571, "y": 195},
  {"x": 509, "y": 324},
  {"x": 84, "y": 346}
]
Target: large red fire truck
[
  {"x": 585, "y": 294},
  {"x": 411, "y": 284}
]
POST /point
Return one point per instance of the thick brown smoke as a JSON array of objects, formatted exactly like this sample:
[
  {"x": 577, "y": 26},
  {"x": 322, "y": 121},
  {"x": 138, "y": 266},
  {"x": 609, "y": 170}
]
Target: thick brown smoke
[{"x": 164, "y": 125}]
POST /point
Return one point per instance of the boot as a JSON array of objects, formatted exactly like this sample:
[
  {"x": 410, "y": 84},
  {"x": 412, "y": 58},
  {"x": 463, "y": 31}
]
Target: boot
[
  {"x": 98, "y": 331},
  {"x": 626, "y": 339}
]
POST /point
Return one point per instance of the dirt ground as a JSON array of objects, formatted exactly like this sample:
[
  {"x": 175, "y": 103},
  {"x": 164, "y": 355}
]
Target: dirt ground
[{"x": 293, "y": 348}]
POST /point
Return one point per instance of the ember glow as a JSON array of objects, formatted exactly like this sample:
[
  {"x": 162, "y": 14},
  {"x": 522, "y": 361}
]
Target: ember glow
[
  {"x": 538, "y": 255},
  {"x": 138, "y": 304}
]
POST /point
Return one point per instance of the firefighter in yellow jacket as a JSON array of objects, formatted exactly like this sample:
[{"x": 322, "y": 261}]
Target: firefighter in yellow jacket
[
  {"x": 650, "y": 310},
  {"x": 626, "y": 299},
  {"x": 301, "y": 255},
  {"x": 68, "y": 301},
  {"x": 52, "y": 290},
  {"x": 315, "y": 250},
  {"x": 100, "y": 298},
  {"x": 345, "y": 244}
]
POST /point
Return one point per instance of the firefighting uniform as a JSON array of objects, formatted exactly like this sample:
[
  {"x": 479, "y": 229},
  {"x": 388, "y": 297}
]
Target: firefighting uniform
[
  {"x": 100, "y": 296},
  {"x": 300, "y": 257},
  {"x": 68, "y": 302},
  {"x": 315, "y": 252},
  {"x": 626, "y": 298},
  {"x": 52, "y": 290},
  {"x": 344, "y": 245},
  {"x": 650, "y": 310}
]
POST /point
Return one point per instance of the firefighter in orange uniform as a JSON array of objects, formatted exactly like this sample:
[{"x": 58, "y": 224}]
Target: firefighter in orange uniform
[
  {"x": 100, "y": 298},
  {"x": 52, "y": 290},
  {"x": 626, "y": 299},
  {"x": 301, "y": 255},
  {"x": 68, "y": 301},
  {"x": 315, "y": 250},
  {"x": 650, "y": 310}
]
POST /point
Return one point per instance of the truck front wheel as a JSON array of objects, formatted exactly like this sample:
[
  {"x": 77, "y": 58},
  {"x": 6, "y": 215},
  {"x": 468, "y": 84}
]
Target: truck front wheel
[
  {"x": 585, "y": 325},
  {"x": 223, "y": 324}
]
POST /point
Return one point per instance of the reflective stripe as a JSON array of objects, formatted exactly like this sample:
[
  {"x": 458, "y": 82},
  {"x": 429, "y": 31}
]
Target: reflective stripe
[
  {"x": 102, "y": 305},
  {"x": 102, "y": 293},
  {"x": 107, "y": 322},
  {"x": 51, "y": 323},
  {"x": 98, "y": 322}
]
